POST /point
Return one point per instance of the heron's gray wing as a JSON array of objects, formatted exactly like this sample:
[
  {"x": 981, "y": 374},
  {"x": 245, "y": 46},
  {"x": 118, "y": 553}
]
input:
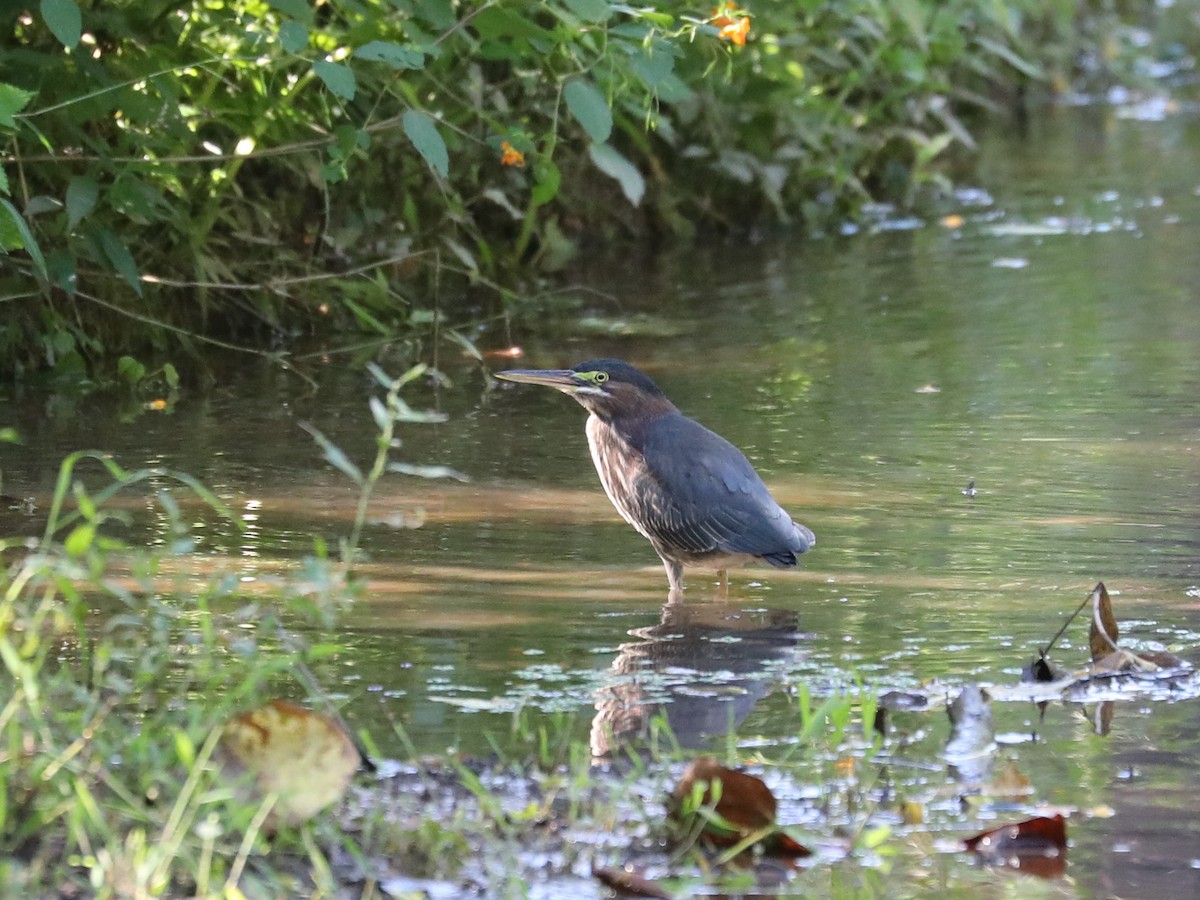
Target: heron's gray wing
[{"x": 705, "y": 496}]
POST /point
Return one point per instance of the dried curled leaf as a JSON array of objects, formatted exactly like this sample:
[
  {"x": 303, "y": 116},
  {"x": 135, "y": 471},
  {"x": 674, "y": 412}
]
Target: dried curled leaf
[
  {"x": 303, "y": 757},
  {"x": 1107, "y": 655},
  {"x": 1102, "y": 637}
]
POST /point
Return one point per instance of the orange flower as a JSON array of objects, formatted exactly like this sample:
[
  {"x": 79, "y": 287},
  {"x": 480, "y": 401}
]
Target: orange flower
[
  {"x": 731, "y": 24},
  {"x": 510, "y": 156}
]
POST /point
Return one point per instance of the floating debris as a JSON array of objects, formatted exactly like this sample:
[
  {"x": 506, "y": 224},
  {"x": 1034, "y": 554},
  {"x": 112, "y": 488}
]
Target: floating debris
[{"x": 1010, "y": 262}]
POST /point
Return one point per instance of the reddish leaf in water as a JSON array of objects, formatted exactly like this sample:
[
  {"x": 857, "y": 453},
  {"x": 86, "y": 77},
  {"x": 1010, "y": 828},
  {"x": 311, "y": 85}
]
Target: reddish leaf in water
[
  {"x": 781, "y": 844},
  {"x": 1041, "y": 834},
  {"x": 629, "y": 883},
  {"x": 1037, "y": 846}
]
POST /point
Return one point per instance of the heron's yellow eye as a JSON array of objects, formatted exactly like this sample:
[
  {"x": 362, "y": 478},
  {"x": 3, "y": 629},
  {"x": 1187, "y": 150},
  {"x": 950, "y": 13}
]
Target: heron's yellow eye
[{"x": 600, "y": 377}]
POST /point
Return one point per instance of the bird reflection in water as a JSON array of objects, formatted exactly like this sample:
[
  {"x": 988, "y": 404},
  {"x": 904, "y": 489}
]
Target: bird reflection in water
[{"x": 703, "y": 667}]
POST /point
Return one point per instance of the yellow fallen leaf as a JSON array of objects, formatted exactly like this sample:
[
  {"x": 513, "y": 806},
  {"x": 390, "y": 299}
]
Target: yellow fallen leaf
[
  {"x": 304, "y": 758},
  {"x": 912, "y": 812},
  {"x": 1010, "y": 783}
]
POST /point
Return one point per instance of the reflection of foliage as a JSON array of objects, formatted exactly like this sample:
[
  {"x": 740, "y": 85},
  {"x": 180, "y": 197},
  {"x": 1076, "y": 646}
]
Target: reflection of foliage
[
  {"x": 795, "y": 365},
  {"x": 244, "y": 151},
  {"x": 791, "y": 387}
]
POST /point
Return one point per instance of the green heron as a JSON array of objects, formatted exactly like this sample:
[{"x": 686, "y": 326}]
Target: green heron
[{"x": 688, "y": 491}]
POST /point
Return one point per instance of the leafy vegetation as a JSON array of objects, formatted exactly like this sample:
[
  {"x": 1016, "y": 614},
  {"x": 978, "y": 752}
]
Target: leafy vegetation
[{"x": 250, "y": 171}]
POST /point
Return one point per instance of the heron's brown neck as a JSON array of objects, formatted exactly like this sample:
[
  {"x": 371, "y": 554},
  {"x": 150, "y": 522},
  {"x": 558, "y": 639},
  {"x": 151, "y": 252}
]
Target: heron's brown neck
[{"x": 631, "y": 425}]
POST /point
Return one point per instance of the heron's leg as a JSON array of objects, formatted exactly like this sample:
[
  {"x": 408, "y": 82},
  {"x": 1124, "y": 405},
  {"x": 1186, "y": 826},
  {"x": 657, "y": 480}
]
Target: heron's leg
[
  {"x": 723, "y": 583},
  {"x": 674, "y": 575}
]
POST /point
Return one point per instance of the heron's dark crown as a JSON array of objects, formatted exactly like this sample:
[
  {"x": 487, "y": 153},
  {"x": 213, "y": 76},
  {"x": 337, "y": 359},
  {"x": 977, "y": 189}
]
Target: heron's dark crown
[
  {"x": 625, "y": 394},
  {"x": 621, "y": 372}
]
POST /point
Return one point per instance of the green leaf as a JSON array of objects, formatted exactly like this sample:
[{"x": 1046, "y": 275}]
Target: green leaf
[
  {"x": 589, "y": 108},
  {"x": 334, "y": 455},
  {"x": 138, "y": 198},
  {"x": 185, "y": 748},
  {"x": 4, "y": 182},
  {"x": 64, "y": 21},
  {"x": 501, "y": 199},
  {"x": 393, "y": 54},
  {"x": 912, "y": 13},
  {"x": 673, "y": 89},
  {"x": 10, "y": 236},
  {"x": 1024, "y": 66},
  {"x": 118, "y": 255},
  {"x": 612, "y": 163},
  {"x": 465, "y": 256},
  {"x": 9, "y": 435},
  {"x": 590, "y": 10},
  {"x": 428, "y": 141},
  {"x": 60, "y": 269},
  {"x": 386, "y": 381},
  {"x": 496, "y": 22},
  {"x": 28, "y": 242},
  {"x": 300, "y": 10},
  {"x": 932, "y": 148},
  {"x": 293, "y": 36},
  {"x": 171, "y": 376},
  {"x": 366, "y": 320},
  {"x": 338, "y": 78},
  {"x": 80, "y": 539},
  {"x": 653, "y": 65},
  {"x": 322, "y": 651},
  {"x": 41, "y": 203},
  {"x": 82, "y": 193},
  {"x": 548, "y": 179},
  {"x": 12, "y": 101},
  {"x": 379, "y": 412},
  {"x": 465, "y": 342},
  {"x": 130, "y": 369}
]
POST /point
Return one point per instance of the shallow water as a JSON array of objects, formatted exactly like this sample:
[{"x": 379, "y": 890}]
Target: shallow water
[{"x": 1046, "y": 348}]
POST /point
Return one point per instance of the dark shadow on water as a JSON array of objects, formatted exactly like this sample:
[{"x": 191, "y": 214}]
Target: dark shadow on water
[{"x": 703, "y": 668}]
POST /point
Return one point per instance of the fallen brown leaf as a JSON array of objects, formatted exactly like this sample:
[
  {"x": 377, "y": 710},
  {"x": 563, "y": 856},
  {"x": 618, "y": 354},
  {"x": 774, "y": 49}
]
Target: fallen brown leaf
[
  {"x": 744, "y": 803},
  {"x": 743, "y": 800}
]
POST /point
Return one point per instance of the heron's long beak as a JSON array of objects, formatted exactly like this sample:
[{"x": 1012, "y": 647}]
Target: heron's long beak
[{"x": 560, "y": 379}]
